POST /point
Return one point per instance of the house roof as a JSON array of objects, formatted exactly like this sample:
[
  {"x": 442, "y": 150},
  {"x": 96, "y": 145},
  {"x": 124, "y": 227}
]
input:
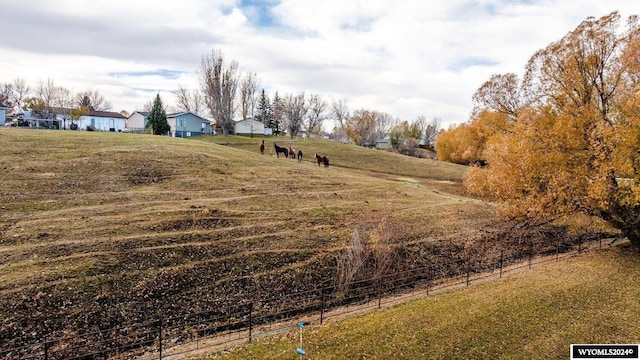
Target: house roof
[
  {"x": 110, "y": 114},
  {"x": 175, "y": 115}
]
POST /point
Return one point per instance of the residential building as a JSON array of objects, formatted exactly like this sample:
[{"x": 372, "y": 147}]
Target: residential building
[
  {"x": 185, "y": 124},
  {"x": 249, "y": 127}
]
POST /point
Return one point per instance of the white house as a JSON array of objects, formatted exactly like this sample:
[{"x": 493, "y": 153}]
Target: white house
[
  {"x": 3, "y": 114},
  {"x": 249, "y": 127},
  {"x": 101, "y": 121},
  {"x": 185, "y": 124},
  {"x": 137, "y": 122}
]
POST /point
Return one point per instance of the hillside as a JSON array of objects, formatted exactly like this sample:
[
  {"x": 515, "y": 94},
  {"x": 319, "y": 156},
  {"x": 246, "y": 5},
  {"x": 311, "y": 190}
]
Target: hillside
[
  {"x": 536, "y": 314},
  {"x": 101, "y": 230}
]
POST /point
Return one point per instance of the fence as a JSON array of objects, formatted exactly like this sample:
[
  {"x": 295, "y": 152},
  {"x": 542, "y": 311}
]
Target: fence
[{"x": 173, "y": 336}]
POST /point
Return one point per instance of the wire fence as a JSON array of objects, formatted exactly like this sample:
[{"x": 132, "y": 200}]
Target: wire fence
[{"x": 172, "y": 337}]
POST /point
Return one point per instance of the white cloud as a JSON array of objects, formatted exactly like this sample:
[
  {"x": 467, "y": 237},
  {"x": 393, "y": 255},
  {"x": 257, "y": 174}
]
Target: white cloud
[{"x": 406, "y": 58}]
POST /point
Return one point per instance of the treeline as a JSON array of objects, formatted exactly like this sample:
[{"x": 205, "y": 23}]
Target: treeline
[{"x": 564, "y": 138}]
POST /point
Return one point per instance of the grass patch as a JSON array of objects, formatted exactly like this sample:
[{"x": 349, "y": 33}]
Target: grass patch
[{"x": 531, "y": 315}]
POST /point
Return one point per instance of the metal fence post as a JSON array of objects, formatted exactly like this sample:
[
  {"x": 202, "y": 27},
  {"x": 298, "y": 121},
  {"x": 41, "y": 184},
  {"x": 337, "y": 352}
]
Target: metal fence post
[
  {"x": 428, "y": 279},
  {"x": 46, "y": 349},
  {"x": 250, "y": 320},
  {"x": 160, "y": 338},
  {"x": 557, "y": 250},
  {"x": 322, "y": 305},
  {"x": 379, "y": 292},
  {"x": 468, "y": 268},
  {"x": 530, "y": 254},
  {"x": 501, "y": 262}
]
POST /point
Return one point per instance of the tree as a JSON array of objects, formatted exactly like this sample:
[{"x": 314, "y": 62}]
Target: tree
[
  {"x": 219, "y": 85},
  {"x": 248, "y": 87},
  {"x": 157, "y": 119},
  {"x": 340, "y": 112},
  {"x": 295, "y": 109},
  {"x": 361, "y": 127},
  {"x": 93, "y": 100},
  {"x": 575, "y": 147},
  {"x": 431, "y": 131},
  {"x": 316, "y": 114},
  {"x": 278, "y": 114},
  {"x": 20, "y": 92},
  {"x": 64, "y": 103},
  {"x": 265, "y": 112},
  {"x": 191, "y": 101}
]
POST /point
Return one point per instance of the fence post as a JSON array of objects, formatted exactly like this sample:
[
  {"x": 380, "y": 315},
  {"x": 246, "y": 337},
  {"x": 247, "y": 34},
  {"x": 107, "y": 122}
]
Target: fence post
[
  {"x": 322, "y": 305},
  {"x": 250, "y": 321},
  {"x": 47, "y": 344},
  {"x": 579, "y": 246},
  {"x": 160, "y": 338},
  {"x": 468, "y": 268},
  {"x": 428, "y": 279},
  {"x": 380, "y": 292},
  {"x": 530, "y": 254},
  {"x": 557, "y": 249},
  {"x": 501, "y": 262}
]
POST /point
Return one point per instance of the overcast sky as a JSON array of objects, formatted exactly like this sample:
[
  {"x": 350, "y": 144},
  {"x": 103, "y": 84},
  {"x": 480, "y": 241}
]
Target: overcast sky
[{"x": 406, "y": 58}]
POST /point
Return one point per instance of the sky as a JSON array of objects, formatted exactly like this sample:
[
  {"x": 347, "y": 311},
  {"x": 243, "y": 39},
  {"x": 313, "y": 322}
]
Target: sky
[{"x": 408, "y": 58}]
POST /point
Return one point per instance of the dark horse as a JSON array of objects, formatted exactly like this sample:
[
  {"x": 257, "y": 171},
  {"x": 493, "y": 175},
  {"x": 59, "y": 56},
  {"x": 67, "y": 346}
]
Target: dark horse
[
  {"x": 322, "y": 160},
  {"x": 299, "y": 156},
  {"x": 261, "y": 146},
  {"x": 281, "y": 150}
]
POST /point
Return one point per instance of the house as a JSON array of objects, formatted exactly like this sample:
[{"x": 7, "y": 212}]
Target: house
[
  {"x": 185, "y": 124},
  {"x": 39, "y": 119},
  {"x": 101, "y": 121},
  {"x": 137, "y": 122},
  {"x": 249, "y": 127},
  {"x": 3, "y": 114}
]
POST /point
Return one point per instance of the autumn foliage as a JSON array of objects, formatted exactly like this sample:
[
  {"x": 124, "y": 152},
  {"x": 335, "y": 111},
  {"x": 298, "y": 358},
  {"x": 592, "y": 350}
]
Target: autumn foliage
[{"x": 565, "y": 139}]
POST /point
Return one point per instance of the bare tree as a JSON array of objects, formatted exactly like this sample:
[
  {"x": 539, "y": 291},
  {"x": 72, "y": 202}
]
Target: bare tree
[
  {"x": 219, "y": 85},
  {"x": 6, "y": 94},
  {"x": 432, "y": 130},
  {"x": 248, "y": 88},
  {"x": 93, "y": 100},
  {"x": 46, "y": 92},
  {"x": 295, "y": 109},
  {"x": 20, "y": 92},
  {"x": 190, "y": 100},
  {"x": 64, "y": 103},
  {"x": 316, "y": 114},
  {"x": 340, "y": 112}
]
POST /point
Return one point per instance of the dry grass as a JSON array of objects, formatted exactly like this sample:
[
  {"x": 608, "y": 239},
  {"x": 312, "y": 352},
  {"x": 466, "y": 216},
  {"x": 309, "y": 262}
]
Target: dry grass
[
  {"x": 107, "y": 229},
  {"x": 532, "y": 315}
]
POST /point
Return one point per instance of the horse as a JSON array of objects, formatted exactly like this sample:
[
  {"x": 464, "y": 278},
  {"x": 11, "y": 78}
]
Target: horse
[
  {"x": 281, "y": 150},
  {"x": 261, "y": 146},
  {"x": 318, "y": 159},
  {"x": 292, "y": 152},
  {"x": 299, "y": 156},
  {"x": 325, "y": 161}
]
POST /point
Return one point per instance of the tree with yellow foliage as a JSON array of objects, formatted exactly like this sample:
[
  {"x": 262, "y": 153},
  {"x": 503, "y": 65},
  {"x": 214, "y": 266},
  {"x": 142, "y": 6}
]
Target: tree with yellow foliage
[{"x": 574, "y": 146}]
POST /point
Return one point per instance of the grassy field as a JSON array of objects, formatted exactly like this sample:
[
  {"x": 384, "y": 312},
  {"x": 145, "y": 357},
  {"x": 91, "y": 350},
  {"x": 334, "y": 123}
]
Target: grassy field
[
  {"x": 99, "y": 230},
  {"x": 102, "y": 230},
  {"x": 536, "y": 314}
]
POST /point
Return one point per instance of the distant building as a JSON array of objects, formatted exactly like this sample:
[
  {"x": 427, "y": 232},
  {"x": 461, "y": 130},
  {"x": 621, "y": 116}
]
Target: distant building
[
  {"x": 186, "y": 124},
  {"x": 137, "y": 122},
  {"x": 3, "y": 114},
  {"x": 101, "y": 121},
  {"x": 249, "y": 127}
]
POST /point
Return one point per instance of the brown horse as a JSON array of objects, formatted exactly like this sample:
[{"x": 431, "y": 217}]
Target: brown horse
[
  {"x": 292, "y": 152},
  {"x": 261, "y": 146},
  {"x": 299, "y": 156},
  {"x": 325, "y": 161},
  {"x": 318, "y": 159}
]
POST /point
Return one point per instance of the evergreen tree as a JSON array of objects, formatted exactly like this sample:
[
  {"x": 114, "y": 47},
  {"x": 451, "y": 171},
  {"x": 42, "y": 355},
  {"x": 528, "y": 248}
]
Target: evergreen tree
[
  {"x": 278, "y": 114},
  {"x": 157, "y": 119},
  {"x": 265, "y": 113}
]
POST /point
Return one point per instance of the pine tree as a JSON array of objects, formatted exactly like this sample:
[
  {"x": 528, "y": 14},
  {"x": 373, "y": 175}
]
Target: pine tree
[
  {"x": 265, "y": 113},
  {"x": 158, "y": 118}
]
